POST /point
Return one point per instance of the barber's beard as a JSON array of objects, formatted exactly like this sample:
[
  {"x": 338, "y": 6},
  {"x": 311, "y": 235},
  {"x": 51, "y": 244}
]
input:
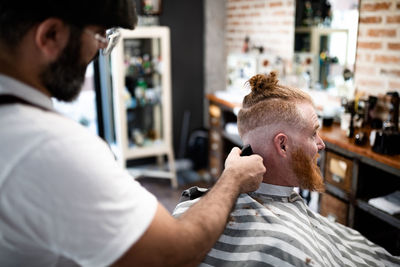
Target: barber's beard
[
  {"x": 64, "y": 77},
  {"x": 307, "y": 171}
]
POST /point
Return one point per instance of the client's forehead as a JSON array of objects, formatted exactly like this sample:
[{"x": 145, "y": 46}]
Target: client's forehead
[{"x": 307, "y": 111}]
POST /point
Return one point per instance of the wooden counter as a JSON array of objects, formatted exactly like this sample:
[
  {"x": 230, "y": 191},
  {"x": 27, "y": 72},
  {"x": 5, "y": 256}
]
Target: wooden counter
[
  {"x": 223, "y": 102},
  {"x": 336, "y": 138}
]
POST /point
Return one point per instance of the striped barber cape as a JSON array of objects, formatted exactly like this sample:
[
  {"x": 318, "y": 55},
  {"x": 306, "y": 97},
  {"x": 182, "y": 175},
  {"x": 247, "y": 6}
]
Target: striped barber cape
[{"x": 272, "y": 228}]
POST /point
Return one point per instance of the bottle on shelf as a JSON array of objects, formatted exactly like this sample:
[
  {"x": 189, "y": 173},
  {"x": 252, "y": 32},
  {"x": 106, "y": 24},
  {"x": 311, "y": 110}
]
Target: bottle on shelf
[{"x": 140, "y": 91}]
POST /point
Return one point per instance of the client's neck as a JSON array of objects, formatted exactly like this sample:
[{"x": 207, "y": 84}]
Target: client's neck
[{"x": 276, "y": 176}]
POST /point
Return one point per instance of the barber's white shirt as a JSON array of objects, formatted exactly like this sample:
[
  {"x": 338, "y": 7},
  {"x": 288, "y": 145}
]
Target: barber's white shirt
[{"x": 63, "y": 198}]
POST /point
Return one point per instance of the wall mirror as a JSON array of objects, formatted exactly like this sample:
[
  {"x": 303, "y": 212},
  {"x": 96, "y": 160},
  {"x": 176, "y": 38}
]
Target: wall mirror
[{"x": 325, "y": 44}]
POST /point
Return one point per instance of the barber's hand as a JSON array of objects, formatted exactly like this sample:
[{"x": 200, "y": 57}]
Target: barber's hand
[{"x": 248, "y": 171}]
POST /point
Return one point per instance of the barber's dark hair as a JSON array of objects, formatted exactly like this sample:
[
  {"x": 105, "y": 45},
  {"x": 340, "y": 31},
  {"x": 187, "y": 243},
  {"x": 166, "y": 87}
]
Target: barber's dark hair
[
  {"x": 270, "y": 102},
  {"x": 17, "y": 17}
]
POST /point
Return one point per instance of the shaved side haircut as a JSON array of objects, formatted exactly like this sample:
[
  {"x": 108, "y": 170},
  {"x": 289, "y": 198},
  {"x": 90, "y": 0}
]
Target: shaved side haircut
[{"x": 270, "y": 103}]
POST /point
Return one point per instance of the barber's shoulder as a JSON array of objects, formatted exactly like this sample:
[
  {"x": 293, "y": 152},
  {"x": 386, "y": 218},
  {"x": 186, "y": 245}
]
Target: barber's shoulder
[
  {"x": 59, "y": 138},
  {"x": 39, "y": 122},
  {"x": 29, "y": 129}
]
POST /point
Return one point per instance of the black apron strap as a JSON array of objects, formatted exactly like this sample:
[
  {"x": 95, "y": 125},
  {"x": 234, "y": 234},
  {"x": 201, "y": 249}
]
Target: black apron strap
[{"x": 12, "y": 99}]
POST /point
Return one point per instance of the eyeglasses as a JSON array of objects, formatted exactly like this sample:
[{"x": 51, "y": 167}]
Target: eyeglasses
[{"x": 109, "y": 41}]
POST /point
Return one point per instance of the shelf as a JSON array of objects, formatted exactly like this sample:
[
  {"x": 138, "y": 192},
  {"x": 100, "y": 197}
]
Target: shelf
[
  {"x": 150, "y": 171},
  {"x": 147, "y": 151},
  {"x": 133, "y": 108},
  {"x": 393, "y": 220},
  {"x": 320, "y": 30},
  {"x": 336, "y": 192},
  {"x": 141, "y": 75}
]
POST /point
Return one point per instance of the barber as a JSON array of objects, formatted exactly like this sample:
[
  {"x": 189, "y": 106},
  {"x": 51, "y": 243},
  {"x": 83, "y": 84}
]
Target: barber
[{"x": 64, "y": 201}]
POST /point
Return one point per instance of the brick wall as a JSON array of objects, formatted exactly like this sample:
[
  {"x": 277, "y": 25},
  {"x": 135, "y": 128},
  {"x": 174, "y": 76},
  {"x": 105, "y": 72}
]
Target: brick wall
[
  {"x": 378, "y": 47},
  {"x": 268, "y": 23}
]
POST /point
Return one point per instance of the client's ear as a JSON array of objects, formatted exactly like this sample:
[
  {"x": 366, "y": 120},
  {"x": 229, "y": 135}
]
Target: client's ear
[{"x": 280, "y": 144}]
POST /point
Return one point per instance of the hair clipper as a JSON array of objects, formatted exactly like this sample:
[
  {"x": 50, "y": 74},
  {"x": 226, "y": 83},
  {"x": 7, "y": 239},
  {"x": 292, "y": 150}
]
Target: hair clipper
[{"x": 246, "y": 150}]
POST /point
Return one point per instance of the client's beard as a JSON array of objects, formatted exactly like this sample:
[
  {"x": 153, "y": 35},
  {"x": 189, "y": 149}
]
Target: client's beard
[{"x": 307, "y": 171}]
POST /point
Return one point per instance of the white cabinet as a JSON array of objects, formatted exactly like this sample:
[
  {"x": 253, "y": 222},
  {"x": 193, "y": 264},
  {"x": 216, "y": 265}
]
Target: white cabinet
[{"x": 141, "y": 79}]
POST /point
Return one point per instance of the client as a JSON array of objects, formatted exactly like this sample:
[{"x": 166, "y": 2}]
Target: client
[{"x": 273, "y": 226}]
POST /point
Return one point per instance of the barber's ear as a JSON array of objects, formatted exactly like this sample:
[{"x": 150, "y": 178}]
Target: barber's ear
[
  {"x": 280, "y": 144},
  {"x": 51, "y": 37}
]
